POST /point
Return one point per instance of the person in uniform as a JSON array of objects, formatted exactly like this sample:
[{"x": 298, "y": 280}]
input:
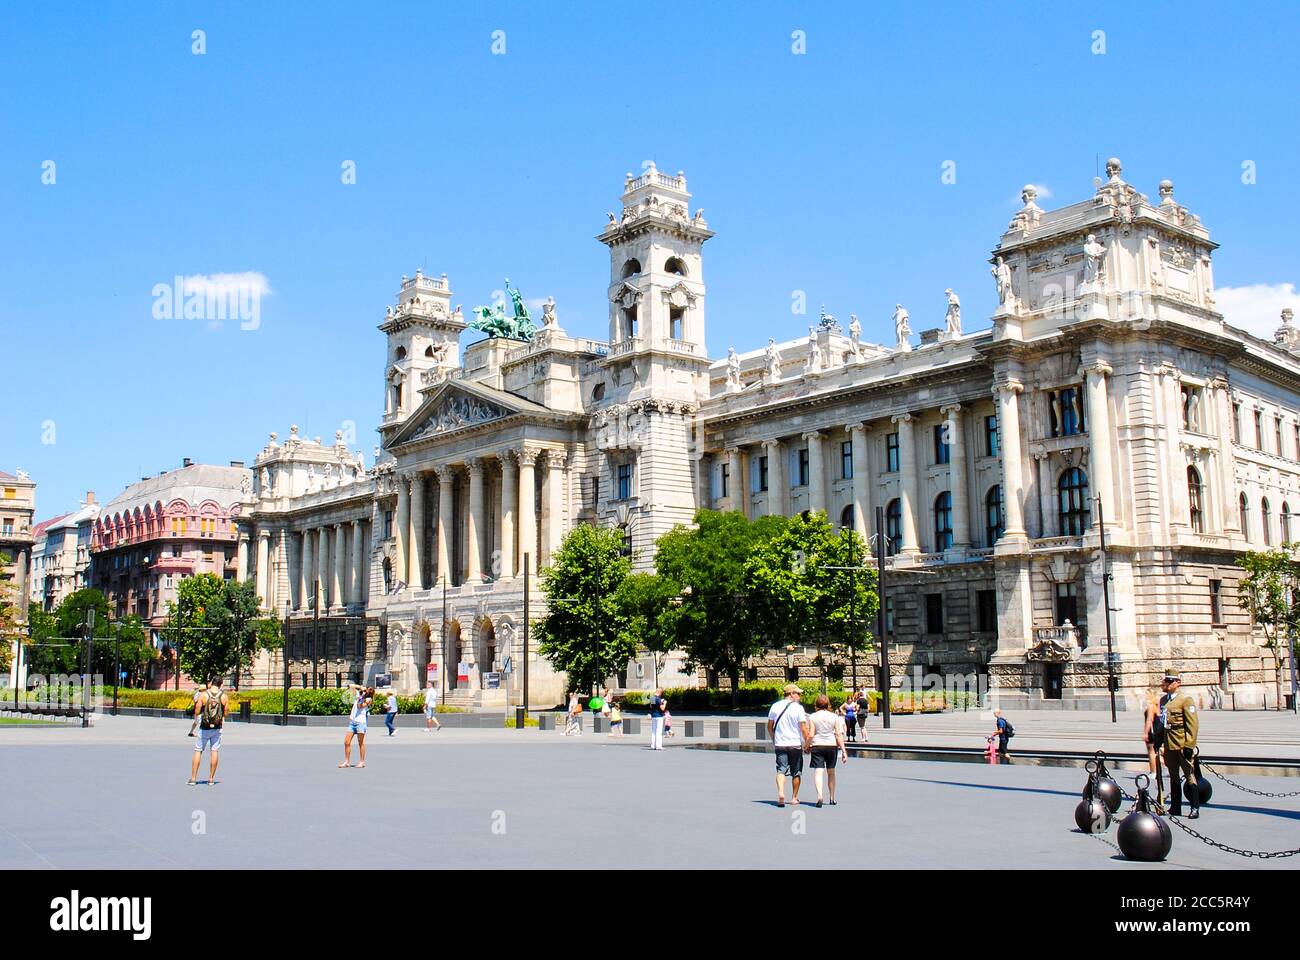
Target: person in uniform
[{"x": 1182, "y": 725}]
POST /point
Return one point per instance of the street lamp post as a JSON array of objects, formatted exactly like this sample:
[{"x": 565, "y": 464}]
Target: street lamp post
[
  {"x": 1105, "y": 599},
  {"x": 886, "y": 682}
]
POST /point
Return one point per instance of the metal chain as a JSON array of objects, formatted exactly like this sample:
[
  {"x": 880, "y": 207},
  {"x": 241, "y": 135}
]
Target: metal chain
[
  {"x": 1258, "y": 793},
  {"x": 1250, "y": 854}
]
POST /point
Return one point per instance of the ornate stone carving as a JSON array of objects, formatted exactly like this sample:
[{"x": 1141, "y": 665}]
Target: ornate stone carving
[
  {"x": 902, "y": 329},
  {"x": 952, "y": 319},
  {"x": 456, "y": 412},
  {"x": 772, "y": 362}
]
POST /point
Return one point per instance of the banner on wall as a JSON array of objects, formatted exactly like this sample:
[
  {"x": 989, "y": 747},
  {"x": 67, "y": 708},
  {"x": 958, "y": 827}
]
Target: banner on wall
[
  {"x": 431, "y": 673},
  {"x": 462, "y": 672}
]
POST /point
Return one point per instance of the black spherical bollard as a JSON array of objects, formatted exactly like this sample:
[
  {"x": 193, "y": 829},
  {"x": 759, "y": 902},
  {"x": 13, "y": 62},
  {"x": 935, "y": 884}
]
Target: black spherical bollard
[
  {"x": 1109, "y": 792},
  {"x": 1144, "y": 836},
  {"x": 1198, "y": 793},
  {"x": 1091, "y": 816}
]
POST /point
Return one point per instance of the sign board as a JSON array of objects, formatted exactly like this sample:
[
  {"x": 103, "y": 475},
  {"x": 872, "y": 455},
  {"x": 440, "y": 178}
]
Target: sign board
[
  {"x": 492, "y": 681},
  {"x": 383, "y": 680},
  {"x": 462, "y": 672},
  {"x": 431, "y": 673},
  {"x": 508, "y": 666}
]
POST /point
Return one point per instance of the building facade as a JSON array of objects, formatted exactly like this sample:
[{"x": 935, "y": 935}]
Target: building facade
[
  {"x": 17, "y": 510},
  {"x": 61, "y": 554},
  {"x": 1108, "y": 395},
  {"x": 161, "y": 530}
]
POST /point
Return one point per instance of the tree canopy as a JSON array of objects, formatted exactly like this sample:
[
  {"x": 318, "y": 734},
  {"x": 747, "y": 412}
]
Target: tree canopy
[
  {"x": 586, "y": 631},
  {"x": 1270, "y": 593},
  {"x": 214, "y": 624}
]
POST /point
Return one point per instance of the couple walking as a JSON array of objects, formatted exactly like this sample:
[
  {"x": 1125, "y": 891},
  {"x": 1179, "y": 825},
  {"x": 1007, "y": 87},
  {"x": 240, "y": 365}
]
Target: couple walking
[{"x": 794, "y": 732}]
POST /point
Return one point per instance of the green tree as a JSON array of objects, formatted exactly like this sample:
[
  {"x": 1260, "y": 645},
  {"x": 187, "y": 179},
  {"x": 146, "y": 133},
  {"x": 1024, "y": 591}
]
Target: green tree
[
  {"x": 711, "y": 620},
  {"x": 40, "y": 655},
  {"x": 10, "y": 608},
  {"x": 586, "y": 630},
  {"x": 1270, "y": 592},
  {"x": 647, "y": 600},
  {"x": 796, "y": 596},
  {"x": 58, "y": 638},
  {"x": 214, "y": 624}
]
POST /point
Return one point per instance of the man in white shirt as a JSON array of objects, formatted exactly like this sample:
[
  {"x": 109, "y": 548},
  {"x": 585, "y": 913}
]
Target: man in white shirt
[
  {"x": 787, "y": 725},
  {"x": 430, "y": 706}
]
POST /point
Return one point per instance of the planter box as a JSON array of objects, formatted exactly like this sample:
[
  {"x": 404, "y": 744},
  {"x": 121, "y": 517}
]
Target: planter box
[{"x": 729, "y": 729}]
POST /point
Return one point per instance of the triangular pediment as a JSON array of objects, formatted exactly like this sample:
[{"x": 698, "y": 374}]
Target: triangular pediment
[{"x": 458, "y": 405}]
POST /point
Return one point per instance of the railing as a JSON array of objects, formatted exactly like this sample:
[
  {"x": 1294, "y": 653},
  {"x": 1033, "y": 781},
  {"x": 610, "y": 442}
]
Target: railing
[
  {"x": 1067, "y": 636},
  {"x": 682, "y": 346},
  {"x": 425, "y": 283},
  {"x": 1055, "y": 543},
  {"x": 624, "y": 346},
  {"x": 657, "y": 178}
]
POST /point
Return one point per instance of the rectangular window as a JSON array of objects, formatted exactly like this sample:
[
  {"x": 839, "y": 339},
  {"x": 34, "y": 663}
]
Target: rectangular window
[
  {"x": 934, "y": 613},
  {"x": 388, "y": 524},
  {"x": 1067, "y": 603},
  {"x": 1277, "y": 435},
  {"x": 941, "y": 448},
  {"x": 987, "y": 606},
  {"x": 725, "y": 479},
  {"x": 11, "y": 493},
  {"x": 846, "y": 460},
  {"x": 1297, "y": 441},
  {"x": 624, "y": 481},
  {"x": 762, "y": 473},
  {"x": 1259, "y": 430},
  {"x": 1216, "y": 602},
  {"x": 991, "y": 436},
  {"x": 803, "y": 467},
  {"x": 9, "y": 526},
  {"x": 1067, "y": 412},
  {"x": 891, "y": 453},
  {"x": 1236, "y": 421},
  {"x": 889, "y": 615}
]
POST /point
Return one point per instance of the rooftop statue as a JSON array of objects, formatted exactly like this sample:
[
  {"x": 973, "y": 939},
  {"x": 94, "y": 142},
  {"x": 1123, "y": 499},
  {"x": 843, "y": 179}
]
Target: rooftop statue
[{"x": 494, "y": 322}]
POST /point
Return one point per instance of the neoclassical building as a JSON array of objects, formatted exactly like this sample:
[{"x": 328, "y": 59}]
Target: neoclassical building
[{"x": 1108, "y": 392}]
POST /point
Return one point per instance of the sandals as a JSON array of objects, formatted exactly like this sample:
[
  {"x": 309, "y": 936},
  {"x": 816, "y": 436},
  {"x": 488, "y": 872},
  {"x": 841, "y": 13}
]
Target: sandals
[
  {"x": 780, "y": 800},
  {"x": 342, "y": 766},
  {"x": 192, "y": 783}
]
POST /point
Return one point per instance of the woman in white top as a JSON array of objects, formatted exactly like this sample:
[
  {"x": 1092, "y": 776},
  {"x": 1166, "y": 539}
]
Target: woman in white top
[{"x": 826, "y": 743}]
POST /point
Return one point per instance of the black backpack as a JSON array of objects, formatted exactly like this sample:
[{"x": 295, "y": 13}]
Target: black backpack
[
  {"x": 213, "y": 713},
  {"x": 1008, "y": 729}
]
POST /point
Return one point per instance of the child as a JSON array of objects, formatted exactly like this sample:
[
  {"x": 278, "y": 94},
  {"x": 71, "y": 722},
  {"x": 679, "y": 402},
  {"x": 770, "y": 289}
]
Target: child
[
  {"x": 668, "y": 724},
  {"x": 615, "y": 720}
]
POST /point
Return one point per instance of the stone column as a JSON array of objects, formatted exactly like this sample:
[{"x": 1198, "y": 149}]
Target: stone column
[
  {"x": 264, "y": 568},
  {"x": 861, "y": 479},
  {"x": 324, "y": 578},
  {"x": 816, "y": 471},
  {"x": 1101, "y": 480},
  {"x": 356, "y": 593},
  {"x": 1227, "y": 513},
  {"x": 402, "y": 528},
  {"x": 241, "y": 553},
  {"x": 416, "y": 563},
  {"x": 956, "y": 431},
  {"x": 1046, "y": 495},
  {"x": 445, "y": 509},
  {"x": 527, "y": 509},
  {"x": 554, "y": 518},
  {"x": 776, "y": 491},
  {"x": 735, "y": 480},
  {"x": 340, "y": 563},
  {"x": 294, "y": 547},
  {"x": 906, "y": 483},
  {"x": 308, "y": 571},
  {"x": 474, "y": 522},
  {"x": 509, "y": 510},
  {"x": 1013, "y": 476}
]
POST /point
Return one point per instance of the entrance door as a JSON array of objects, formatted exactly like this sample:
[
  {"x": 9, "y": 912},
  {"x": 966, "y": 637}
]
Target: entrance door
[{"x": 1053, "y": 680}]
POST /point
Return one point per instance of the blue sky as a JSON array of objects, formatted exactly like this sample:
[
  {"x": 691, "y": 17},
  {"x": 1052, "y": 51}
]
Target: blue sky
[{"x": 819, "y": 172}]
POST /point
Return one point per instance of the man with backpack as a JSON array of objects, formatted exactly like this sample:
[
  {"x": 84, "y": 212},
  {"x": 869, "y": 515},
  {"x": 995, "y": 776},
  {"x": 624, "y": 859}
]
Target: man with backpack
[
  {"x": 1004, "y": 731},
  {"x": 210, "y": 709}
]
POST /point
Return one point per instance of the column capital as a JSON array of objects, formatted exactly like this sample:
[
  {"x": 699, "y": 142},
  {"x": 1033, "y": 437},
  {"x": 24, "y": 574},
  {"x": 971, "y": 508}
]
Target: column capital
[
  {"x": 860, "y": 427},
  {"x": 356, "y": 522},
  {"x": 901, "y": 418},
  {"x": 1011, "y": 386},
  {"x": 951, "y": 408},
  {"x": 732, "y": 451},
  {"x": 813, "y": 435},
  {"x": 1098, "y": 368},
  {"x": 556, "y": 459},
  {"x": 475, "y": 466},
  {"x": 1168, "y": 369},
  {"x": 445, "y": 472},
  {"x": 773, "y": 442},
  {"x": 507, "y": 456},
  {"x": 528, "y": 456}
]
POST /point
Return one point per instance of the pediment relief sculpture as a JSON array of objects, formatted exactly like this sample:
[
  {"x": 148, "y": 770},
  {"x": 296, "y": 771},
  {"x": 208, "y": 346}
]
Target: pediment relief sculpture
[{"x": 456, "y": 412}]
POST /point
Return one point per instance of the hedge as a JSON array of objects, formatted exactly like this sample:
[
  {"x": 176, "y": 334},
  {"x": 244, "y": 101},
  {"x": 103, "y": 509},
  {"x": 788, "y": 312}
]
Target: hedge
[
  {"x": 321, "y": 702},
  {"x": 753, "y": 696}
]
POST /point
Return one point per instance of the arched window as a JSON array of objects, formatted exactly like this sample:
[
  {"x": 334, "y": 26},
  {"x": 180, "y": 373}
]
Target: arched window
[
  {"x": 1286, "y": 522},
  {"x": 893, "y": 527},
  {"x": 428, "y": 352},
  {"x": 994, "y": 524},
  {"x": 631, "y": 268},
  {"x": 846, "y": 517},
  {"x": 1194, "y": 492},
  {"x": 943, "y": 522},
  {"x": 1243, "y": 511},
  {"x": 1265, "y": 520},
  {"x": 400, "y": 354},
  {"x": 675, "y": 266},
  {"x": 1073, "y": 507}
]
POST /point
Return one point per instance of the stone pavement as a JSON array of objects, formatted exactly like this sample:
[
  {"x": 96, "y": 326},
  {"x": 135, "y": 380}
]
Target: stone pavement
[{"x": 115, "y": 796}]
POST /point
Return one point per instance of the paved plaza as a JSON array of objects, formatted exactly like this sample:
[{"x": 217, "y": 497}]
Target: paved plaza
[{"x": 115, "y": 796}]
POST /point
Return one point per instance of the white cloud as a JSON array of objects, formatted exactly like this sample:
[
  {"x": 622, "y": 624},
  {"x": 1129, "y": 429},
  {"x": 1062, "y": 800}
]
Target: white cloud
[
  {"x": 224, "y": 285},
  {"x": 1257, "y": 309}
]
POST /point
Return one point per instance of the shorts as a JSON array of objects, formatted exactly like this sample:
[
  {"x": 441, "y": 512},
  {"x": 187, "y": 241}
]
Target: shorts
[
  {"x": 428, "y": 711},
  {"x": 789, "y": 761},
  {"x": 1156, "y": 740},
  {"x": 208, "y": 738},
  {"x": 823, "y": 758},
  {"x": 354, "y": 727}
]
